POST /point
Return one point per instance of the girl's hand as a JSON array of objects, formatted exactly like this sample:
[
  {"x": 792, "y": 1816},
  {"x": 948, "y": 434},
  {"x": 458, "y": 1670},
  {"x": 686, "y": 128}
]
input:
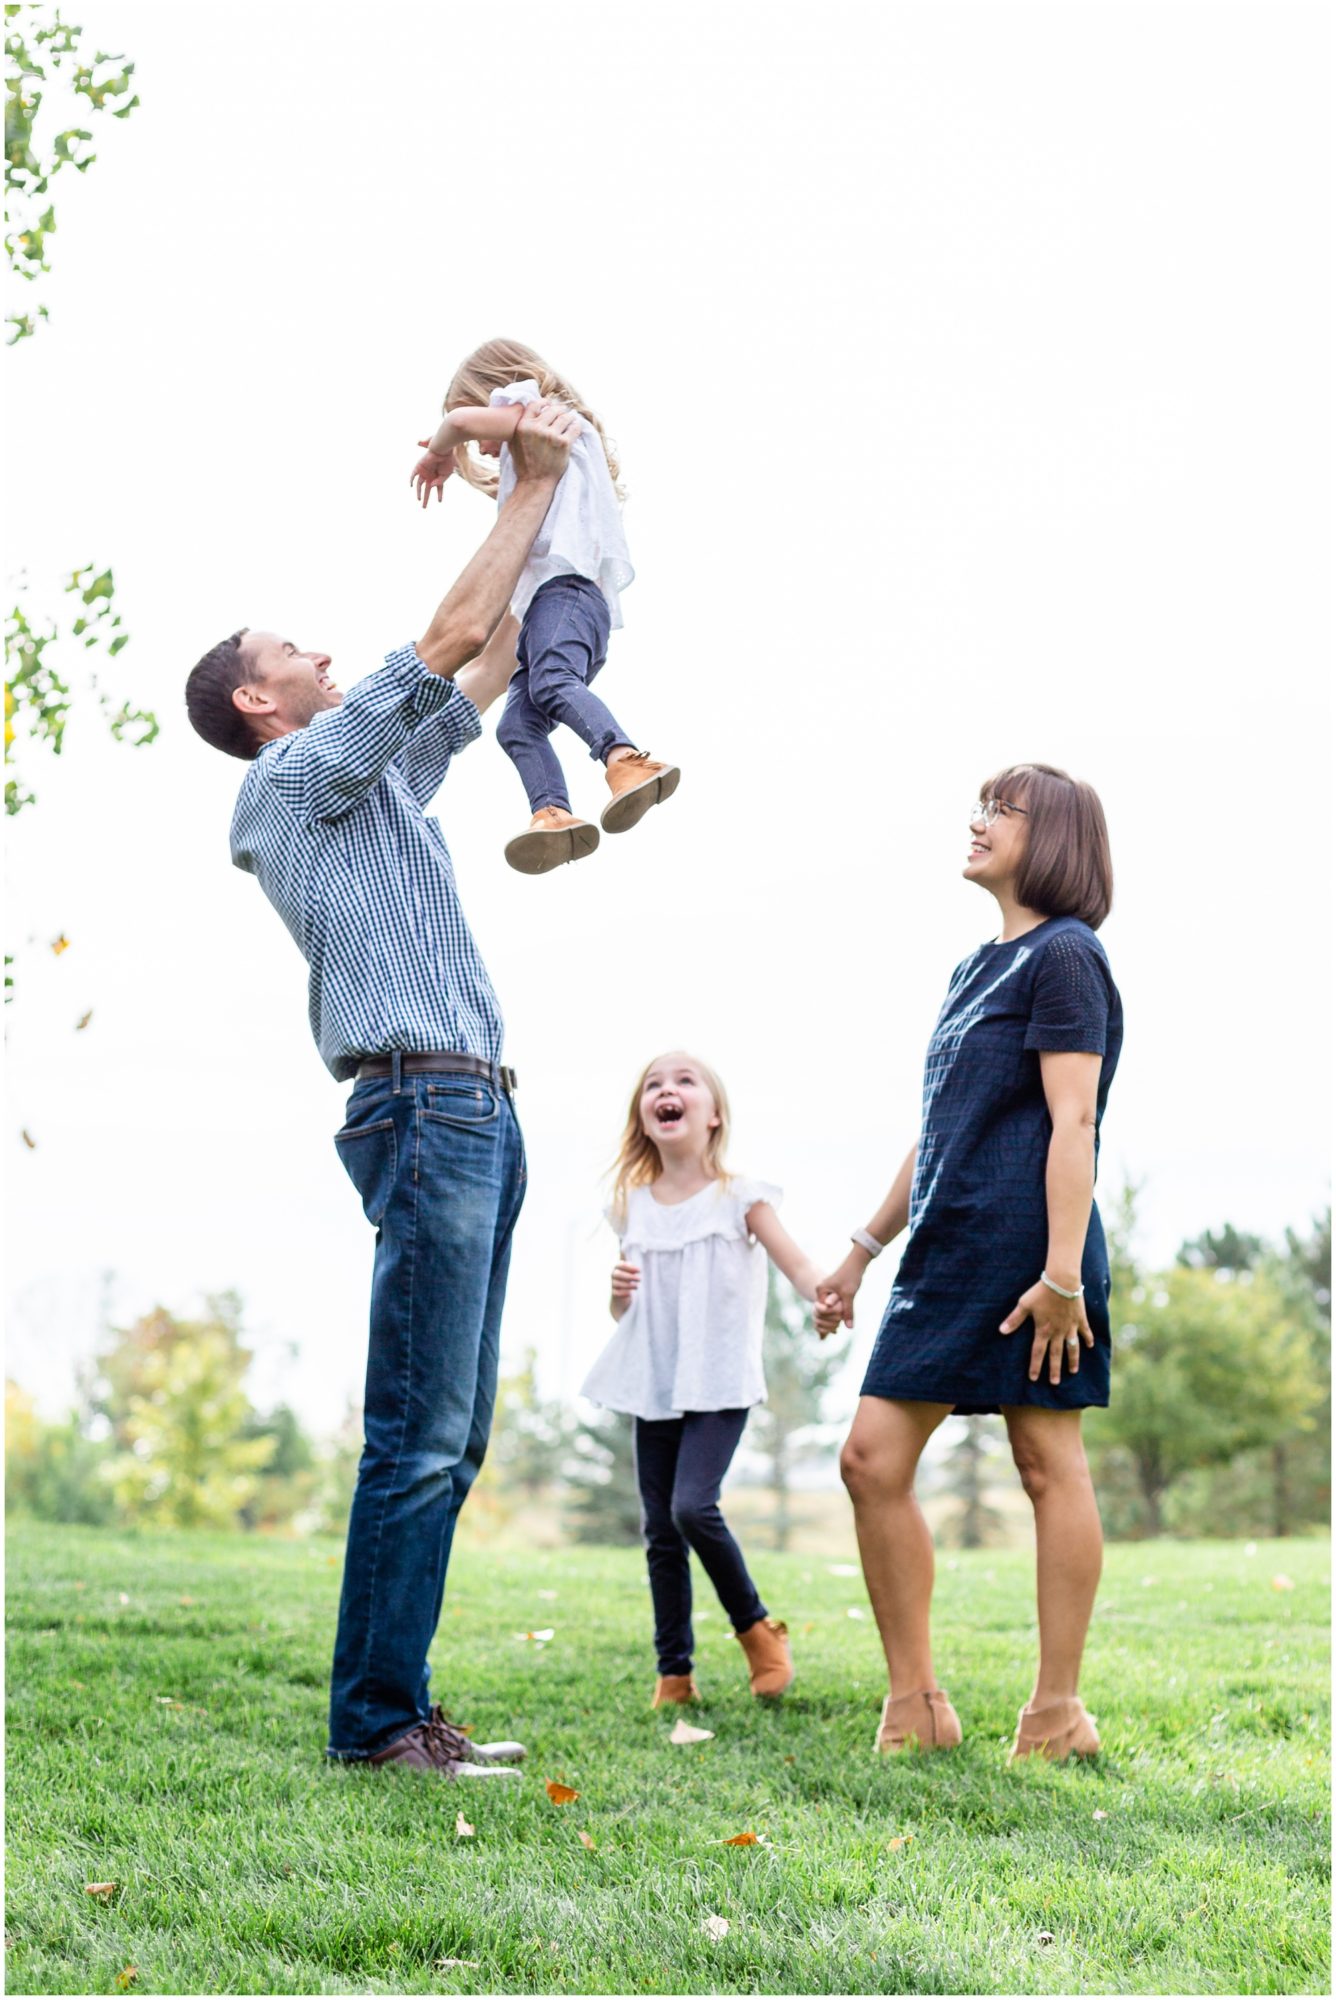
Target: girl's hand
[
  {"x": 1060, "y": 1329},
  {"x": 431, "y": 471},
  {"x": 625, "y": 1279},
  {"x": 835, "y": 1294}
]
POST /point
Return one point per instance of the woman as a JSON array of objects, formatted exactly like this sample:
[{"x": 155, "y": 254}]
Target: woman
[{"x": 1001, "y": 1299}]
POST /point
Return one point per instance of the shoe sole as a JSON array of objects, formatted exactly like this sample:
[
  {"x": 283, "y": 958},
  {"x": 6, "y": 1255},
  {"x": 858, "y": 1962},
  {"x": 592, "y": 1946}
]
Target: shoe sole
[
  {"x": 535, "y": 852},
  {"x": 628, "y": 808}
]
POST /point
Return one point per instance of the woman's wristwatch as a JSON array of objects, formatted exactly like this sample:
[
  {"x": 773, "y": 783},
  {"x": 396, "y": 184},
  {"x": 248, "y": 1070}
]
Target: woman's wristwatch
[
  {"x": 866, "y": 1241},
  {"x": 1061, "y": 1290}
]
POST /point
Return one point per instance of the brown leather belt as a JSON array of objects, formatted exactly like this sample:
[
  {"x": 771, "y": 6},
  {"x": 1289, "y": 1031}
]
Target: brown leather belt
[{"x": 414, "y": 1063}]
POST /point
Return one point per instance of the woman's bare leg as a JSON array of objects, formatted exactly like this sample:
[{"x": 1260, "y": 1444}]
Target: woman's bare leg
[
  {"x": 878, "y": 1463},
  {"x": 1050, "y": 1457}
]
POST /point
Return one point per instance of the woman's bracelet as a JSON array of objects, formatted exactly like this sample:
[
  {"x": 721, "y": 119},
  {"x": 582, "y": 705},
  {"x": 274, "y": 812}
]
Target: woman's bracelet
[
  {"x": 866, "y": 1241},
  {"x": 1061, "y": 1290}
]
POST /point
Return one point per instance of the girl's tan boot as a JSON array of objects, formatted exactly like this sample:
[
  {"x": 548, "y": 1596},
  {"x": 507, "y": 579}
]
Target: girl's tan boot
[
  {"x": 1059, "y": 1729},
  {"x": 679, "y": 1688},
  {"x": 769, "y": 1661},
  {"x": 921, "y": 1721}
]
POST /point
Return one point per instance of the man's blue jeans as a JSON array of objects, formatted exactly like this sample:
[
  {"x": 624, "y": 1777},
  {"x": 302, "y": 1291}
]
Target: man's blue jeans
[{"x": 439, "y": 1164}]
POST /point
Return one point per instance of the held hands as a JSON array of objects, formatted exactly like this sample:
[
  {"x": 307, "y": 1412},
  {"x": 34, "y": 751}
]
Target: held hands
[
  {"x": 431, "y": 471},
  {"x": 835, "y": 1295},
  {"x": 1060, "y": 1329}
]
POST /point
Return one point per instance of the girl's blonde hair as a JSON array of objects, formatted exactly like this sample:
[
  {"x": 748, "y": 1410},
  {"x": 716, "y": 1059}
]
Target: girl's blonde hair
[
  {"x": 495, "y": 365},
  {"x": 638, "y": 1161}
]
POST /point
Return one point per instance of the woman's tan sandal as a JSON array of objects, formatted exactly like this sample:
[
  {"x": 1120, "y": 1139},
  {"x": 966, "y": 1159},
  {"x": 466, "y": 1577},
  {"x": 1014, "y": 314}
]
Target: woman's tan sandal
[
  {"x": 1059, "y": 1729},
  {"x": 769, "y": 1661},
  {"x": 670, "y": 1688},
  {"x": 921, "y": 1721}
]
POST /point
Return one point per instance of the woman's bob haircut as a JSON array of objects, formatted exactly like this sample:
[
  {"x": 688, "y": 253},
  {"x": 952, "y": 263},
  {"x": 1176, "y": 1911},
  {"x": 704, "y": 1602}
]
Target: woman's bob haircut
[{"x": 1066, "y": 870}]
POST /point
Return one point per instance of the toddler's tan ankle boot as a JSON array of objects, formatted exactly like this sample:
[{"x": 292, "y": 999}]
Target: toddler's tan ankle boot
[
  {"x": 552, "y": 837},
  {"x": 1059, "y": 1729},
  {"x": 636, "y": 782},
  {"x": 921, "y": 1721},
  {"x": 769, "y": 1661},
  {"x": 674, "y": 1688}
]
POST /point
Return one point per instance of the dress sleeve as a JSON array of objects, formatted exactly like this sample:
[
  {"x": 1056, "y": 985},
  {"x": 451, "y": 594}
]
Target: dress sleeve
[
  {"x": 1069, "y": 1010},
  {"x": 515, "y": 392},
  {"x": 746, "y": 1191}
]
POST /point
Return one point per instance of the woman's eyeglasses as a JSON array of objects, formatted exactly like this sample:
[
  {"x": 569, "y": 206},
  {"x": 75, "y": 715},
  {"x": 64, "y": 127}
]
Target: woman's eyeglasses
[{"x": 987, "y": 810}]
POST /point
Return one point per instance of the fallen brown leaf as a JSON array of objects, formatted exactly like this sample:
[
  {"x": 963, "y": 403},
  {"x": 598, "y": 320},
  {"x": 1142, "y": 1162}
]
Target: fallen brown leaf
[
  {"x": 1282, "y": 1583},
  {"x": 742, "y": 1840},
  {"x": 561, "y": 1795},
  {"x": 59, "y": 944},
  {"x": 715, "y": 1927},
  {"x": 28, "y": 1139},
  {"x": 900, "y": 1840},
  {"x": 83, "y": 1021},
  {"x": 444, "y": 1964},
  {"x": 102, "y": 1891},
  {"x": 588, "y": 1840},
  {"x": 1099, "y": 1813},
  {"x": 463, "y": 1831},
  {"x": 1043, "y": 1937},
  {"x": 126, "y": 1978}
]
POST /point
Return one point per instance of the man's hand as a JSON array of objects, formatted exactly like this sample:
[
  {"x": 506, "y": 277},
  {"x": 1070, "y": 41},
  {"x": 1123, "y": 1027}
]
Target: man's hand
[
  {"x": 431, "y": 471},
  {"x": 1060, "y": 1329},
  {"x": 542, "y": 442}
]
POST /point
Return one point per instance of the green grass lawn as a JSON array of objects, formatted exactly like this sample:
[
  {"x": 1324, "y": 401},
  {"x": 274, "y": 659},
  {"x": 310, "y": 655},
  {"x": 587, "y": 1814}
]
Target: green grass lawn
[{"x": 166, "y": 1731}]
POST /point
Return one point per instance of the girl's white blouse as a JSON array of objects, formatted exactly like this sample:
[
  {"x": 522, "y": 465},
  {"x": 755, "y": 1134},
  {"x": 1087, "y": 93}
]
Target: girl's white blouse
[
  {"x": 691, "y": 1339},
  {"x": 582, "y": 531}
]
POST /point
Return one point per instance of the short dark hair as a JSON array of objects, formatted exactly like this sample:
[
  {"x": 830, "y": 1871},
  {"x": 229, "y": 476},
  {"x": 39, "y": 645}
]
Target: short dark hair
[
  {"x": 1067, "y": 869},
  {"x": 209, "y": 704}
]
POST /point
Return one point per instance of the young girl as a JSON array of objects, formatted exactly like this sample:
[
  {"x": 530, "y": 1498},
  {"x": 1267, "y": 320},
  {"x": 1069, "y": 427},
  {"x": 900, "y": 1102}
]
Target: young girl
[
  {"x": 688, "y": 1293},
  {"x": 567, "y": 598}
]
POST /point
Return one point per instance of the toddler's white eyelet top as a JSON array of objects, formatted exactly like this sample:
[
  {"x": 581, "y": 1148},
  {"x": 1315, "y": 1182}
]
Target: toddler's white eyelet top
[
  {"x": 691, "y": 1339},
  {"x": 582, "y": 532}
]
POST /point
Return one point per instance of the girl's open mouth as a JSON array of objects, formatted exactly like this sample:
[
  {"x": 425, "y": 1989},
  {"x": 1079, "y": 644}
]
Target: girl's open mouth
[{"x": 668, "y": 1114}]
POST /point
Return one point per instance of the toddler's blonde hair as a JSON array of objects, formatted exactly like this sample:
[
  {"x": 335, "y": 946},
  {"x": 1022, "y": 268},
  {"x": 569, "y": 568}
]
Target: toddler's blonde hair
[
  {"x": 638, "y": 1161},
  {"x": 495, "y": 365}
]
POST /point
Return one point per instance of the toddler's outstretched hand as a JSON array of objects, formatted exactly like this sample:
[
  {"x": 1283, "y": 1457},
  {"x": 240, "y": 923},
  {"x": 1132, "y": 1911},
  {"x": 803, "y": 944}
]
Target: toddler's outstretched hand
[{"x": 431, "y": 471}]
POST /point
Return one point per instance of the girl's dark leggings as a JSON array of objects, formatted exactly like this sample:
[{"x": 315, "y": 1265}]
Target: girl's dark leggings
[{"x": 680, "y": 1467}]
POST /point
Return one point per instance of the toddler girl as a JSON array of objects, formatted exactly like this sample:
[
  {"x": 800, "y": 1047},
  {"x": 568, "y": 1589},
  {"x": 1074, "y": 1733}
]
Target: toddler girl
[
  {"x": 688, "y": 1293},
  {"x": 567, "y": 599}
]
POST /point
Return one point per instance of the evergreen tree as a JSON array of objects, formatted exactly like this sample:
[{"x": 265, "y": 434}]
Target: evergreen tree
[
  {"x": 603, "y": 1504},
  {"x": 798, "y": 1371},
  {"x": 967, "y": 1479}
]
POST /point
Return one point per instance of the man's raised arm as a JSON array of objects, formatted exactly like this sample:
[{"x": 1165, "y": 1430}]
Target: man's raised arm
[{"x": 470, "y": 610}]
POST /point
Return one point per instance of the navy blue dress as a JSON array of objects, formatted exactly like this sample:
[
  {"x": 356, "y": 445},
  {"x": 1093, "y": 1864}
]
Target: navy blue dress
[{"x": 978, "y": 1214}]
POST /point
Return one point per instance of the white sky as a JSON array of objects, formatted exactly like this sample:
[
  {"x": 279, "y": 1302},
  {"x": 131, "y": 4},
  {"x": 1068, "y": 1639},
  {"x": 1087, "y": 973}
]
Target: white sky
[{"x": 970, "y": 371}]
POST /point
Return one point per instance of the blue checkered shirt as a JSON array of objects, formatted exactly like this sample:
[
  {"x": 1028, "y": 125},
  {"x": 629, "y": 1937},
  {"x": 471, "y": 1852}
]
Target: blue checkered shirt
[{"x": 331, "y": 819}]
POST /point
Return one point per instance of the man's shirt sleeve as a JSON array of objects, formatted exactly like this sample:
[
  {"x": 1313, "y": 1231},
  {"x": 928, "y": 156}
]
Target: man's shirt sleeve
[
  {"x": 425, "y": 758},
  {"x": 326, "y": 769}
]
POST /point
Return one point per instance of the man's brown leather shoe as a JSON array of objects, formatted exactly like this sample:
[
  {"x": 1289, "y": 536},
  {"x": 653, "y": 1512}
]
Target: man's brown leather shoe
[{"x": 436, "y": 1745}]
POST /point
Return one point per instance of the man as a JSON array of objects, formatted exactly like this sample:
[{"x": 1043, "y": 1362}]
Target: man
[{"x": 331, "y": 819}]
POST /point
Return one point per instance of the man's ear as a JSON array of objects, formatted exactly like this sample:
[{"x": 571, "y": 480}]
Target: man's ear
[{"x": 251, "y": 699}]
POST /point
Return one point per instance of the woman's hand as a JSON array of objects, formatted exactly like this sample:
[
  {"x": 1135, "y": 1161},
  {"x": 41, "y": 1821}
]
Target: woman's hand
[
  {"x": 835, "y": 1294},
  {"x": 431, "y": 471},
  {"x": 1060, "y": 1330}
]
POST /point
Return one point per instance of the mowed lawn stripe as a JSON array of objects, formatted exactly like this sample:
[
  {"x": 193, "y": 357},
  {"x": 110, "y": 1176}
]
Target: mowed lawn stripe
[{"x": 166, "y": 1731}]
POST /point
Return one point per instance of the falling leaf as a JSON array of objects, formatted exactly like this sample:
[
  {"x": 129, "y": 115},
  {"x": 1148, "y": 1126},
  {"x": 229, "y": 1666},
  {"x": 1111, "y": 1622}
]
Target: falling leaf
[
  {"x": 463, "y": 1831},
  {"x": 686, "y": 1732},
  {"x": 126, "y": 1978},
  {"x": 1043, "y": 1937},
  {"x": 1282, "y": 1582},
  {"x": 444, "y": 1964},
  {"x": 83, "y": 1021},
  {"x": 101, "y": 1891},
  {"x": 28, "y": 1139},
  {"x": 59, "y": 944},
  {"x": 715, "y": 1927},
  {"x": 561, "y": 1795},
  {"x": 588, "y": 1840},
  {"x": 900, "y": 1840},
  {"x": 842, "y": 1569},
  {"x": 1099, "y": 1813},
  {"x": 542, "y": 1637},
  {"x": 742, "y": 1840}
]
